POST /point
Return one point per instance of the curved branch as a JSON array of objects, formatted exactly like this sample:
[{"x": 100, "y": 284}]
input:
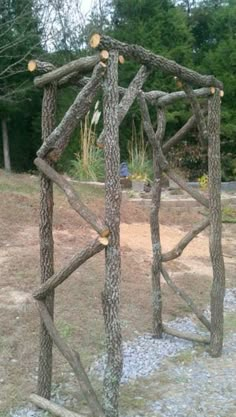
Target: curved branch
[{"x": 178, "y": 249}]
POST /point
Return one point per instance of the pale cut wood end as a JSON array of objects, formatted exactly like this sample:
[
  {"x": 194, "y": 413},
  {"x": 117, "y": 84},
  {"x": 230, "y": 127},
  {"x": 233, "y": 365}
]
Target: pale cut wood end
[
  {"x": 222, "y": 93},
  {"x": 212, "y": 90},
  {"x": 121, "y": 59},
  {"x": 32, "y": 65},
  {"x": 95, "y": 40},
  {"x": 105, "y": 233},
  {"x": 103, "y": 64},
  {"x": 104, "y": 54},
  {"x": 103, "y": 241}
]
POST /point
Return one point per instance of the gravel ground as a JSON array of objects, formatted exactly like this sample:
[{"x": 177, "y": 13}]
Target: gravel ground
[{"x": 203, "y": 388}]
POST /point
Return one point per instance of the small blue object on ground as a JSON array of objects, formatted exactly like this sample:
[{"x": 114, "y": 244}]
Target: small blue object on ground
[{"x": 124, "y": 172}]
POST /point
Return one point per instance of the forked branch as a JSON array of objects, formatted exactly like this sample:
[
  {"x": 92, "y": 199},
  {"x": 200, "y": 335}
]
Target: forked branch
[
  {"x": 178, "y": 249},
  {"x": 128, "y": 98}
]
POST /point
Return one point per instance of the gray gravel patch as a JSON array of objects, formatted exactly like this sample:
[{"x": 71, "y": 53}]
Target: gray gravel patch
[{"x": 200, "y": 389}]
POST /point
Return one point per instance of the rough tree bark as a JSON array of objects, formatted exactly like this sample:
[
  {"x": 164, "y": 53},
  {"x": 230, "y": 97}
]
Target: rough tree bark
[
  {"x": 128, "y": 98},
  {"x": 81, "y": 65},
  {"x": 214, "y": 170},
  {"x": 156, "y": 249},
  {"x": 111, "y": 292},
  {"x": 155, "y": 228},
  {"x": 145, "y": 57},
  {"x": 73, "y": 198},
  {"x": 46, "y": 247},
  {"x": 59, "y": 138},
  {"x": 74, "y": 360},
  {"x": 6, "y": 152},
  {"x": 77, "y": 260}
]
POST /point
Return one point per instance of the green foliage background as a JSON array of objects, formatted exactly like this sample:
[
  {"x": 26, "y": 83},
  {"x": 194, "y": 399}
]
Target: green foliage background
[{"x": 200, "y": 35}]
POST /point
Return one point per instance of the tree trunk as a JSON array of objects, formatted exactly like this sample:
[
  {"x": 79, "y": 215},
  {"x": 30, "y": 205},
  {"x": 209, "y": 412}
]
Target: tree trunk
[
  {"x": 111, "y": 293},
  {"x": 46, "y": 247},
  {"x": 6, "y": 152},
  {"x": 218, "y": 286},
  {"x": 156, "y": 249}
]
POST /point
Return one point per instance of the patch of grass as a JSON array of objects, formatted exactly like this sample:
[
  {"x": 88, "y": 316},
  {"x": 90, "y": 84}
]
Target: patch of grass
[
  {"x": 228, "y": 214},
  {"x": 65, "y": 329}
]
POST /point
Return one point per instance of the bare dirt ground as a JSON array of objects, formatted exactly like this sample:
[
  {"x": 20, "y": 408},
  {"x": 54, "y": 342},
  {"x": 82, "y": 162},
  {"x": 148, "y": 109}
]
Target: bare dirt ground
[{"x": 78, "y": 307}]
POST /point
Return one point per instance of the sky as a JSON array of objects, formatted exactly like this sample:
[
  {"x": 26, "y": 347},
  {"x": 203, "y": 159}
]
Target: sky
[{"x": 86, "y": 5}]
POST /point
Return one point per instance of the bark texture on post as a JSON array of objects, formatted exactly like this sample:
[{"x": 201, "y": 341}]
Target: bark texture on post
[
  {"x": 156, "y": 249},
  {"x": 128, "y": 98},
  {"x": 59, "y": 138},
  {"x": 214, "y": 170},
  {"x": 155, "y": 141},
  {"x": 46, "y": 247},
  {"x": 6, "y": 152},
  {"x": 111, "y": 292},
  {"x": 145, "y": 57}
]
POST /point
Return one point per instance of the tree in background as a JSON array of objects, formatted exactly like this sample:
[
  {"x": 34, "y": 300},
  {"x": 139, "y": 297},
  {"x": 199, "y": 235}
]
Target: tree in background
[{"x": 19, "y": 39}]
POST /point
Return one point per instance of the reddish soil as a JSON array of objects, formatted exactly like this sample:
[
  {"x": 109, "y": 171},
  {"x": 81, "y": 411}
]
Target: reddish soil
[{"x": 78, "y": 307}]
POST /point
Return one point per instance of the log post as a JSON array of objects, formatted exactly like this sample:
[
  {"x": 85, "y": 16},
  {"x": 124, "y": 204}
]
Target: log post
[
  {"x": 214, "y": 171},
  {"x": 155, "y": 229},
  {"x": 111, "y": 292},
  {"x": 46, "y": 247}
]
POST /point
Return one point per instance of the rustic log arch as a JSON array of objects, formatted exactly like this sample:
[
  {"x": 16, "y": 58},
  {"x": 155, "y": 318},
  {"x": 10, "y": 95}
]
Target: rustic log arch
[{"x": 104, "y": 67}]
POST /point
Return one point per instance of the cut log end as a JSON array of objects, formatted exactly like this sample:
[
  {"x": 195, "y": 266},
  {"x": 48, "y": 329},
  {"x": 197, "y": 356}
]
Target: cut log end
[
  {"x": 104, "y": 55},
  {"x": 121, "y": 59},
  {"x": 32, "y": 65},
  {"x": 103, "y": 64},
  {"x": 212, "y": 90},
  {"x": 105, "y": 233},
  {"x": 103, "y": 241},
  {"x": 222, "y": 93},
  {"x": 95, "y": 40}
]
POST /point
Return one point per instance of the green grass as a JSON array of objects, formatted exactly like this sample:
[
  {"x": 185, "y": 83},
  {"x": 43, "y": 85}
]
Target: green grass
[{"x": 229, "y": 214}]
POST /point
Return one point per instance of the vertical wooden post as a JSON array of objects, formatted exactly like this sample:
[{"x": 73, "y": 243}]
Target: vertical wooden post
[
  {"x": 156, "y": 248},
  {"x": 6, "y": 152},
  {"x": 214, "y": 169},
  {"x": 46, "y": 247},
  {"x": 111, "y": 292}
]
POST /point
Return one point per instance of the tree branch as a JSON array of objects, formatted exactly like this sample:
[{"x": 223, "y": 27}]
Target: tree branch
[
  {"x": 186, "y": 298},
  {"x": 178, "y": 249},
  {"x": 77, "y": 260},
  {"x": 74, "y": 361},
  {"x": 73, "y": 197},
  {"x": 59, "y": 138},
  {"x": 145, "y": 57}
]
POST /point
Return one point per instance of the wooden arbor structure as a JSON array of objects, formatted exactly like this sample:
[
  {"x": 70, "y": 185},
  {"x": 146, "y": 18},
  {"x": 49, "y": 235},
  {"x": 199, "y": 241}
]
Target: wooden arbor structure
[{"x": 104, "y": 67}]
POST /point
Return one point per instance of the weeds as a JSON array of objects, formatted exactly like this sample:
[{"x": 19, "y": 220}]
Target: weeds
[
  {"x": 89, "y": 162},
  {"x": 139, "y": 164}
]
